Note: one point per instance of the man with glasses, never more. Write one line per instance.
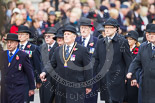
(147, 64)
(15, 66)
(34, 55)
(47, 51)
(112, 55)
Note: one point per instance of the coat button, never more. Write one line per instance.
(12, 75)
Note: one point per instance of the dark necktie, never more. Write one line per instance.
(83, 43)
(10, 54)
(67, 52)
(21, 47)
(50, 47)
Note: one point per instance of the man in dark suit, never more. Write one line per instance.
(112, 56)
(34, 54)
(71, 63)
(148, 66)
(15, 66)
(88, 40)
(47, 51)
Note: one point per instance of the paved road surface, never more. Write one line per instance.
(37, 98)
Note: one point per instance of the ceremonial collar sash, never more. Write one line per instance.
(10, 58)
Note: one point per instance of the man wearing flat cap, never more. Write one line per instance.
(34, 55)
(71, 62)
(47, 50)
(15, 66)
(147, 63)
(114, 55)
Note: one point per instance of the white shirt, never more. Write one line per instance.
(152, 45)
(132, 47)
(110, 38)
(86, 40)
(136, 14)
(23, 45)
(70, 47)
(13, 52)
(51, 45)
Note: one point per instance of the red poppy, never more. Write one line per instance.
(91, 44)
(46, 26)
(28, 46)
(95, 15)
(74, 49)
(143, 23)
(135, 51)
(52, 25)
(17, 57)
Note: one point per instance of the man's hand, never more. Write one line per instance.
(38, 85)
(129, 75)
(88, 90)
(134, 82)
(42, 77)
(31, 92)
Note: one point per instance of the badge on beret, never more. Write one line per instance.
(20, 67)
(91, 50)
(72, 57)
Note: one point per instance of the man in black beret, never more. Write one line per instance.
(114, 55)
(34, 55)
(71, 62)
(15, 66)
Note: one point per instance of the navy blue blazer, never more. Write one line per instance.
(91, 44)
(35, 59)
(13, 77)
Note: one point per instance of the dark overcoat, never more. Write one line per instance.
(113, 59)
(14, 77)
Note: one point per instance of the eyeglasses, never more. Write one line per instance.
(22, 34)
(84, 28)
(108, 27)
(48, 36)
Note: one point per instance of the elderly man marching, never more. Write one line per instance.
(71, 63)
(15, 66)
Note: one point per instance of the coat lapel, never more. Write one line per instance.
(26, 47)
(150, 50)
(90, 41)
